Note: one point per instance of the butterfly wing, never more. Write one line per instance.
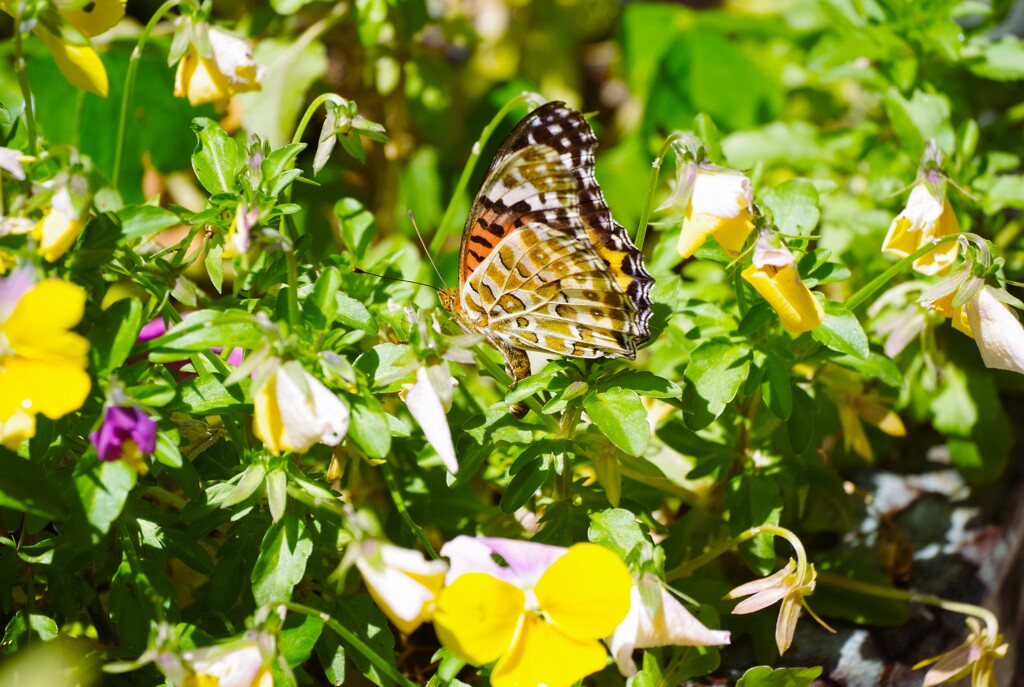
(567, 132)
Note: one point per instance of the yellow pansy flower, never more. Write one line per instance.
(774, 275)
(540, 618)
(42, 363)
(720, 205)
(56, 232)
(293, 410)
(993, 326)
(927, 216)
(229, 69)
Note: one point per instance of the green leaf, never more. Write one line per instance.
(215, 158)
(145, 220)
(208, 328)
(1001, 60)
(215, 265)
(114, 334)
(754, 500)
(524, 485)
(801, 420)
(794, 206)
(167, 451)
(353, 313)
(321, 306)
(369, 426)
(298, 636)
(763, 676)
(620, 415)
(282, 560)
(841, 331)
(716, 370)
(24, 487)
(645, 384)
(617, 529)
(777, 387)
(357, 225)
(205, 395)
(102, 488)
(924, 116)
(279, 162)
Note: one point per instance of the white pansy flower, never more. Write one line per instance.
(293, 410)
(402, 582)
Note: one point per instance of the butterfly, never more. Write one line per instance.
(543, 266)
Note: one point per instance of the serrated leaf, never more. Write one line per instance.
(369, 427)
(716, 370)
(794, 207)
(763, 676)
(321, 306)
(620, 415)
(282, 561)
(841, 331)
(616, 529)
(215, 158)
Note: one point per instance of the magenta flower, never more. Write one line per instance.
(126, 433)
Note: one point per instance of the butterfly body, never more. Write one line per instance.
(543, 266)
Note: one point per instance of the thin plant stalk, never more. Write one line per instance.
(702, 560)
(129, 86)
(652, 187)
(866, 291)
(445, 227)
(26, 92)
(399, 501)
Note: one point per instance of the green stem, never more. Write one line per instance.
(308, 114)
(26, 92)
(293, 289)
(833, 580)
(445, 226)
(129, 86)
(652, 187)
(866, 291)
(403, 512)
(352, 640)
(794, 541)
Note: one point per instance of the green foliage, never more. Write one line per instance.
(222, 241)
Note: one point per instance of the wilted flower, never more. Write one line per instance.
(293, 410)
(127, 434)
(855, 406)
(661, 622)
(788, 585)
(720, 205)
(975, 656)
(927, 216)
(214, 78)
(993, 326)
(42, 363)
(540, 617)
(896, 316)
(428, 400)
(774, 275)
(402, 582)
(60, 226)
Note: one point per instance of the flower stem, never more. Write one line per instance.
(445, 226)
(352, 640)
(838, 581)
(794, 541)
(652, 187)
(403, 512)
(293, 288)
(129, 86)
(866, 291)
(26, 92)
(300, 130)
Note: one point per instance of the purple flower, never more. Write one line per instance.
(126, 431)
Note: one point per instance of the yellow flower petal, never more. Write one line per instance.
(16, 429)
(199, 80)
(56, 232)
(886, 419)
(732, 233)
(92, 18)
(798, 310)
(585, 592)
(78, 63)
(543, 655)
(901, 240)
(477, 617)
(41, 387)
(266, 418)
(26, 329)
(940, 259)
(854, 437)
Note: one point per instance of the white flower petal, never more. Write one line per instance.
(768, 254)
(10, 160)
(428, 411)
(331, 413)
(997, 331)
(234, 668)
(720, 192)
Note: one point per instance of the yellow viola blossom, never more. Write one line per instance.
(229, 69)
(993, 326)
(540, 618)
(16, 429)
(294, 410)
(927, 216)
(56, 232)
(42, 363)
(774, 275)
(720, 205)
(402, 582)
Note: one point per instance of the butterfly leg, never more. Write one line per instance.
(517, 364)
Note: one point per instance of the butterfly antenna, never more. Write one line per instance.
(381, 276)
(426, 251)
